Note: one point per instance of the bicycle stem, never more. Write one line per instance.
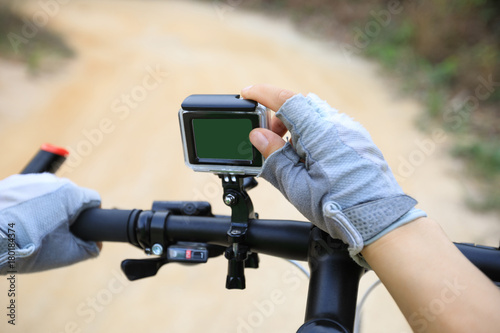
(331, 269)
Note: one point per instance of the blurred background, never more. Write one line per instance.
(105, 79)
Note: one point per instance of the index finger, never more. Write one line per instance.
(267, 95)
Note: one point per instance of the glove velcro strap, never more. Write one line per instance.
(373, 217)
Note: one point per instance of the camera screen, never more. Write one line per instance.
(223, 138)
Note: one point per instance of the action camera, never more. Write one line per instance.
(215, 133)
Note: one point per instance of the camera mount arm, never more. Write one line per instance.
(236, 197)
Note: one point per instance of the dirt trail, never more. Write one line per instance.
(115, 106)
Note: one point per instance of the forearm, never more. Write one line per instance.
(434, 285)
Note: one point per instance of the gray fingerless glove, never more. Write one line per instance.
(336, 176)
(36, 211)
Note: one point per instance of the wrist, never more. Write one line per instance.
(393, 245)
(410, 216)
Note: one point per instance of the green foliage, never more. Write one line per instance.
(435, 103)
(446, 60)
(484, 154)
(34, 50)
(483, 161)
(445, 72)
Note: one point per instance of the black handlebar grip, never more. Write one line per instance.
(48, 159)
(96, 224)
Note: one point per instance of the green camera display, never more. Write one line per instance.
(215, 130)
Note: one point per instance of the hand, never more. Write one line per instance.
(331, 171)
(36, 211)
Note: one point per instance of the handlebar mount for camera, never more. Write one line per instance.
(238, 255)
(147, 231)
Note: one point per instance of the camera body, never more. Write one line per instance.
(215, 131)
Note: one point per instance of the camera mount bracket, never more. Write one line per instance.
(236, 197)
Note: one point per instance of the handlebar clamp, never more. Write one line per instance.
(236, 197)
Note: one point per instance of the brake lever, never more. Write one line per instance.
(136, 269)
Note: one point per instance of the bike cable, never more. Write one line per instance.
(299, 266)
(359, 307)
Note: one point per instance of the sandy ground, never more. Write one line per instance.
(129, 150)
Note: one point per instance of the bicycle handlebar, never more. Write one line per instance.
(287, 239)
(97, 224)
(280, 238)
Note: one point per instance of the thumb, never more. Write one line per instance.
(266, 141)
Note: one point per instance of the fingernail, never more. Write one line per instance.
(244, 90)
(259, 140)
